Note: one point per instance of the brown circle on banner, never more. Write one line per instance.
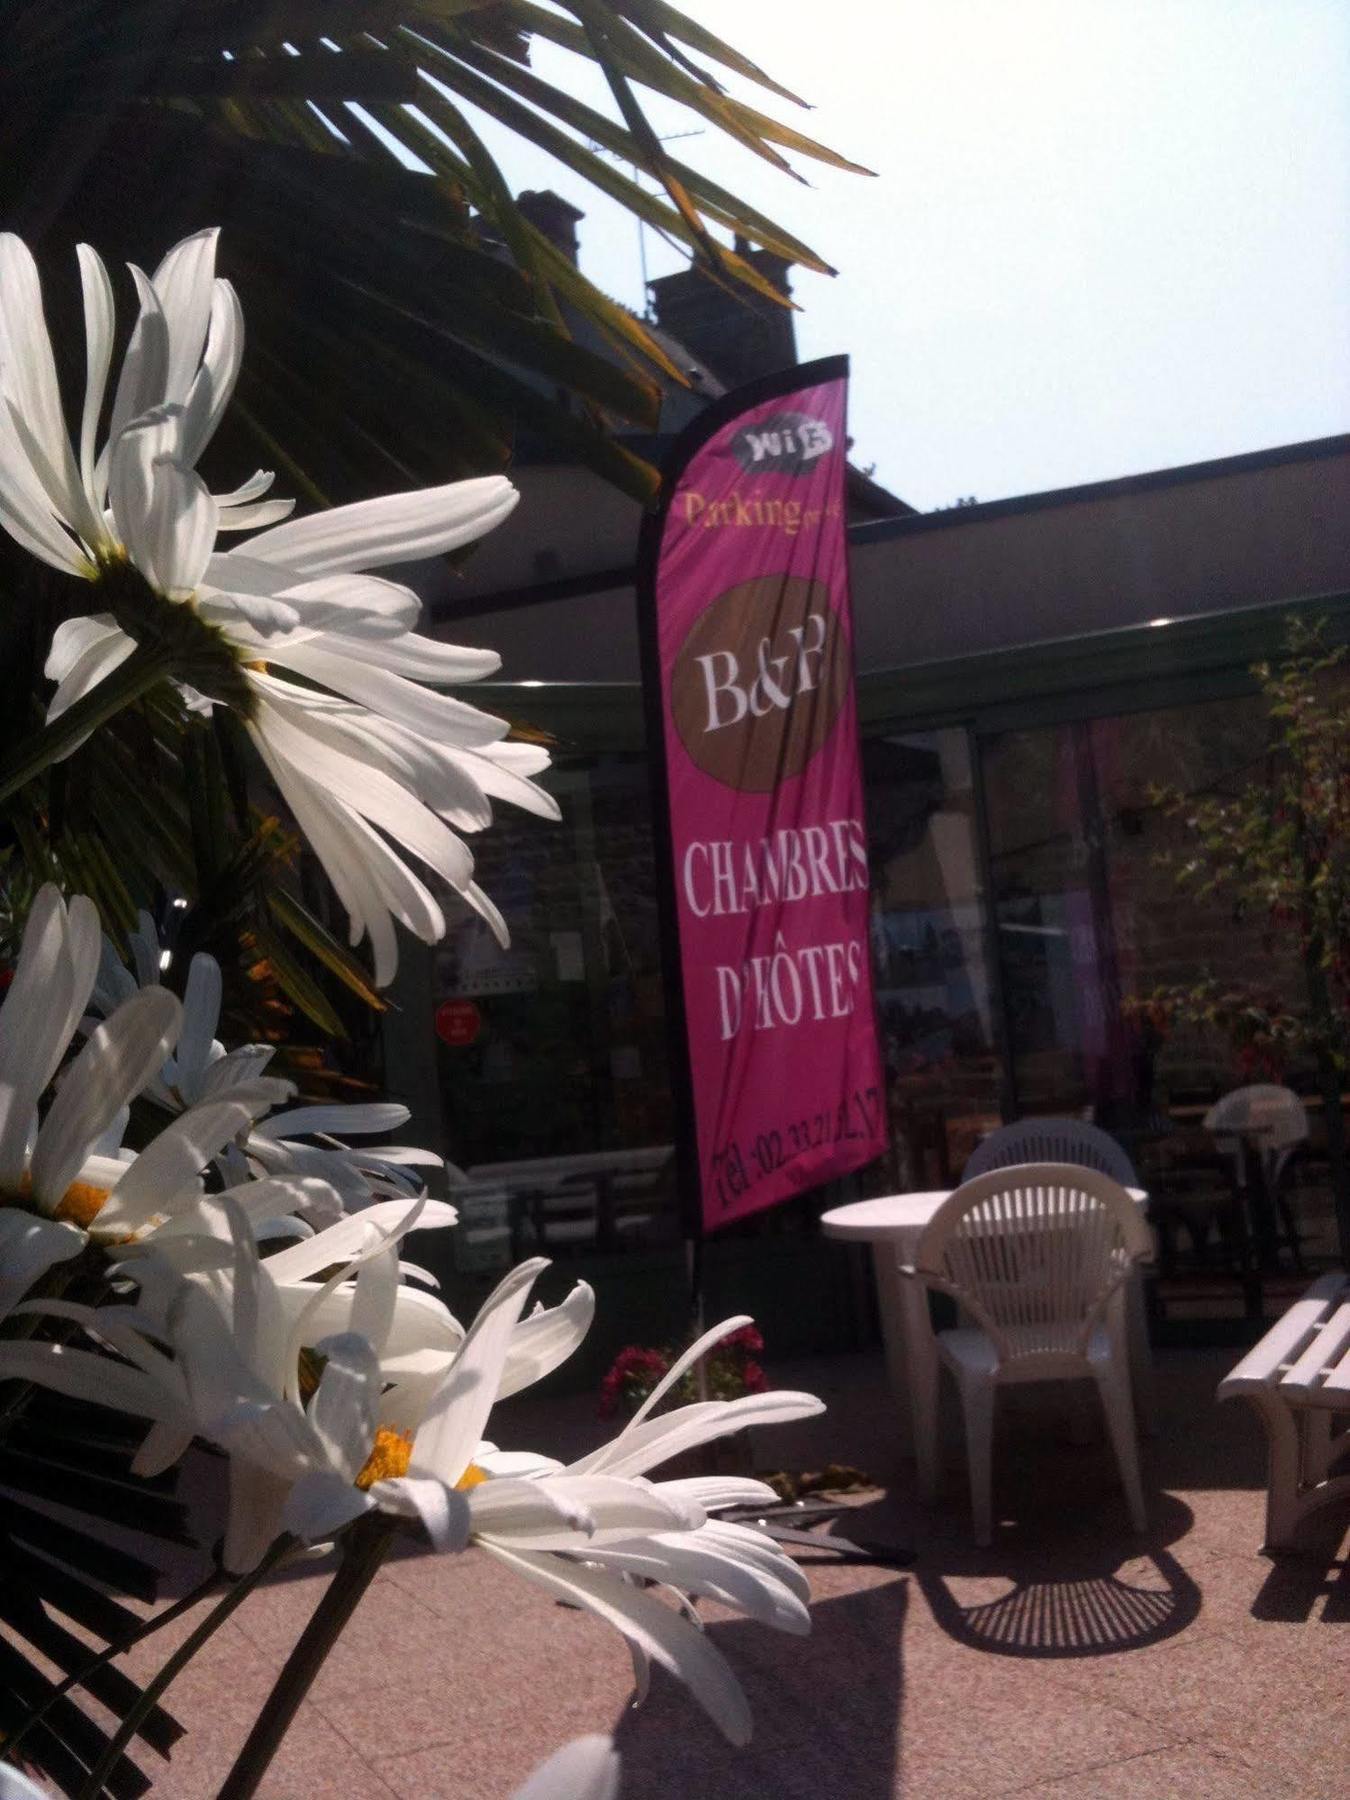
(759, 681)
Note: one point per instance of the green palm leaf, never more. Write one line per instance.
(434, 324)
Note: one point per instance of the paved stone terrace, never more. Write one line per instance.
(1073, 1659)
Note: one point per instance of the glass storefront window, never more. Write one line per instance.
(553, 1071)
(1088, 913)
(555, 1092)
(934, 999)
(1090, 921)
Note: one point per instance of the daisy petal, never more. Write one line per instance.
(678, 1370)
(82, 1375)
(164, 1444)
(184, 283)
(145, 368)
(201, 1015)
(419, 658)
(699, 1562)
(114, 1065)
(320, 1504)
(654, 1441)
(546, 1339)
(392, 529)
(102, 647)
(98, 341)
(453, 1426)
(662, 1634)
(351, 1236)
(254, 517)
(214, 382)
(352, 1121)
(28, 375)
(576, 1513)
(28, 1248)
(180, 528)
(58, 963)
(166, 1171)
(441, 717)
(443, 1513)
(585, 1769)
(343, 1410)
(257, 1506)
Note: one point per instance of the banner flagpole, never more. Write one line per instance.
(759, 842)
(757, 808)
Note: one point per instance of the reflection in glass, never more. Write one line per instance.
(934, 1000)
(567, 1079)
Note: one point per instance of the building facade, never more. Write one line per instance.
(1030, 672)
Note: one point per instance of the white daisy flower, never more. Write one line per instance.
(373, 764)
(235, 1375)
(308, 1141)
(591, 1531)
(376, 767)
(573, 1528)
(184, 350)
(348, 1277)
(309, 1463)
(65, 1182)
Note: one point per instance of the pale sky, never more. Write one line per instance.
(1106, 235)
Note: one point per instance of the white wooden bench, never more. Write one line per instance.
(1298, 1379)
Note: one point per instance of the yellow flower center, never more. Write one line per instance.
(390, 1456)
(80, 1204)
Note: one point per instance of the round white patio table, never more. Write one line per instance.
(893, 1224)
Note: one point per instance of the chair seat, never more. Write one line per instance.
(968, 1350)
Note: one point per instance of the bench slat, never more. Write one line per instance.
(1287, 1338)
(1329, 1343)
(1338, 1380)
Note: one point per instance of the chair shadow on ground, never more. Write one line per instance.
(826, 1709)
(1095, 1594)
(1049, 1588)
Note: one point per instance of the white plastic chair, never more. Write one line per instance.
(1280, 1118)
(1052, 1141)
(1037, 1256)
(1276, 1112)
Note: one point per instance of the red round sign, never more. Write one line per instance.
(458, 1022)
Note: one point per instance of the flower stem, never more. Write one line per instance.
(364, 1550)
(181, 1657)
(144, 669)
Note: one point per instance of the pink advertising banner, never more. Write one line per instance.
(749, 645)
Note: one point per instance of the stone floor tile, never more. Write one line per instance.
(230, 1666)
(565, 1673)
(314, 1763)
(390, 1633)
(980, 1739)
(1305, 1746)
(1185, 1773)
(1213, 1686)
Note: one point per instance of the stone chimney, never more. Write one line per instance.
(737, 334)
(555, 217)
